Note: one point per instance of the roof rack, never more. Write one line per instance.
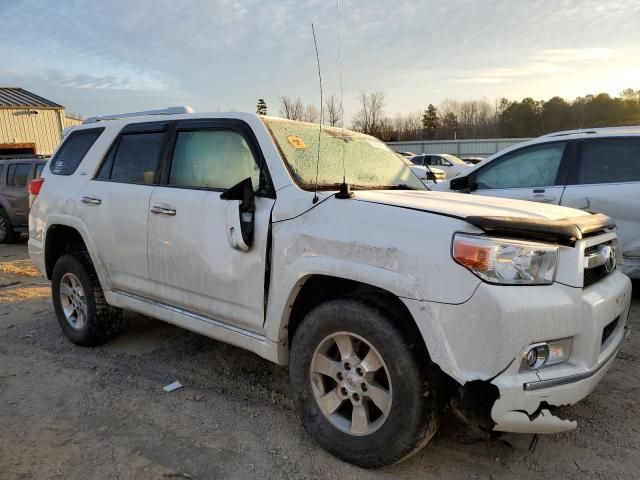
(629, 128)
(23, 156)
(163, 111)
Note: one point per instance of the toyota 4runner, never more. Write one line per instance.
(320, 250)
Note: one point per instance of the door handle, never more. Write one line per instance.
(160, 210)
(540, 197)
(91, 200)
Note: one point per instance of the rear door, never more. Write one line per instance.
(192, 264)
(18, 175)
(536, 173)
(606, 179)
(115, 204)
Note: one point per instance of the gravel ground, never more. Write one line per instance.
(72, 412)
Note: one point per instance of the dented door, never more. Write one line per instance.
(193, 265)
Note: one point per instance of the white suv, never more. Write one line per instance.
(387, 301)
(593, 169)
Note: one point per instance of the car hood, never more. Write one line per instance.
(462, 206)
(500, 216)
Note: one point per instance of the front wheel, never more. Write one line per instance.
(364, 391)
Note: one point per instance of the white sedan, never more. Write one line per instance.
(451, 164)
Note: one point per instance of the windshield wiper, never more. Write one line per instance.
(399, 186)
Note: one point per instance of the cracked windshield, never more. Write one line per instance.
(368, 163)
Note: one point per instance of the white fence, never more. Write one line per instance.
(482, 147)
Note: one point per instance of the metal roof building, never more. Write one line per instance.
(29, 123)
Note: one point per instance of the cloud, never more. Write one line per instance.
(569, 55)
(84, 81)
(542, 62)
(221, 54)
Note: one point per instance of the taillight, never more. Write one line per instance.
(35, 185)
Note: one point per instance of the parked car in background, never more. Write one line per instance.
(597, 170)
(472, 160)
(425, 173)
(386, 300)
(406, 154)
(15, 174)
(451, 164)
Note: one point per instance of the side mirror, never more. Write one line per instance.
(460, 183)
(240, 214)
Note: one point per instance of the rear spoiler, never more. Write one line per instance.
(565, 231)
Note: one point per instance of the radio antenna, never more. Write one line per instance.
(344, 174)
(315, 42)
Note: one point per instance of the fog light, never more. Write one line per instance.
(536, 356)
(546, 353)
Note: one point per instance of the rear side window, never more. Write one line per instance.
(38, 171)
(134, 159)
(216, 159)
(535, 166)
(611, 160)
(18, 174)
(73, 150)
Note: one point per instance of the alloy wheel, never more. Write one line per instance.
(74, 301)
(351, 383)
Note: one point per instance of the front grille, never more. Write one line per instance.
(593, 275)
(608, 330)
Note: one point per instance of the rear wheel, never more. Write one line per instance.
(365, 393)
(7, 235)
(82, 311)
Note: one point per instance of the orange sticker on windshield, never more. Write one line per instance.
(296, 142)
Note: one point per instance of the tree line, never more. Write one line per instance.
(471, 119)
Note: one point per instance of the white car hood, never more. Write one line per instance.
(462, 206)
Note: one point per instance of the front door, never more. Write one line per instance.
(532, 173)
(193, 265)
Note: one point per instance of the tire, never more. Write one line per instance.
(7, 235)
(92, 324)
(412, 387)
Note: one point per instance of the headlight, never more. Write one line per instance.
(508, 262)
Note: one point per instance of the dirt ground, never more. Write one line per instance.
(72, 412)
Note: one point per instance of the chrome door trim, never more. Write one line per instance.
(195, 316)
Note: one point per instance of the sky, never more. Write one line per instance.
(217, 55)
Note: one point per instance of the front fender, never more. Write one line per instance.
(283, 294)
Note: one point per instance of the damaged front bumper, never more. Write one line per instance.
(481, 344)
(527, 407)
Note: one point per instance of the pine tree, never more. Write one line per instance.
(261, 108)
(430, 121)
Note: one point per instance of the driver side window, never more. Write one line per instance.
(535, 166)
(212, 159)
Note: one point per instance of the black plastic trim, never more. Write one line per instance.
(564, 231)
